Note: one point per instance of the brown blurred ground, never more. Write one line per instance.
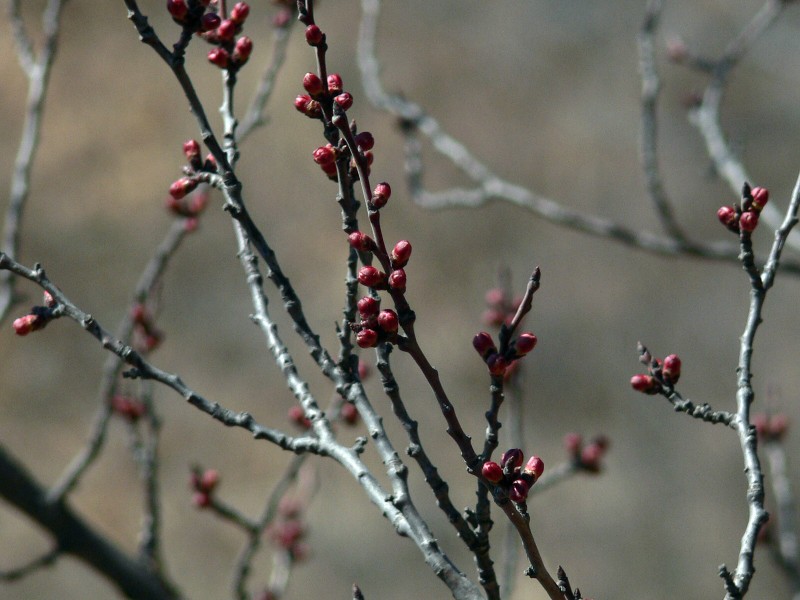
(547, 95)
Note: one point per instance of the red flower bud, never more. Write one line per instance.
(748, 221)
(298, 417)
(312, 84)
(534, 466)
(181, 187)
(591, 456)
(512, 458)
(645, 384)
(210, 22)
(334, 83)
(397, 280)
(313, 35)
(519, 491)
(367, 338)
(209, 480)
(239, 12)
(401, 253)
(201, 500)
(525, 343)
(368, 306)
(381, 194)
(497, 364)
(671, 368)
(365, 141)
(219, 57)
(483, 343)
(324, 155)
(178, 9)
(348, 413)
(360, 241)
(191, 149)
(345, 100)
(727, 216)
(226, 30)
(760, 198)
(242, 50)
(492, 472)
(388, 321)
(370, 276)
(210, 164)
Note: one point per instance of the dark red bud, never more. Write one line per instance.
(370, 276)
(210, 22)
(727, 216)
(368, 306)
(313, 35)
(397, 280)
(181, 187)
(367, 338)
(312, 84)
(381, 194)
(645, 384)
(388, 321)
(483, 343)
(178, 9)
(497, 364)
(345, 100)
(492, 472)
(226, 30)
(525, 343)
(519, 491)
(360, 241)
(242, 50)
(219, 57)
(748, 221)
(512, 458)
(401, 253)
(365, 141)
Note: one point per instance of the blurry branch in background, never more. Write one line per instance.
(415, 121)
(37, 69)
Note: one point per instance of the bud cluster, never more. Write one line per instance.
(586, 456)
(146, 336)
(510, 475)
(38, 318)
(203, 484)
(128, 407)
(499, 362)
(288, 529)
(375, 325)
(771, 428)
(180, 202)
(745, 218)
(661, 376)
(229, 52)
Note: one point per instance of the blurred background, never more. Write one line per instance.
(547, 95)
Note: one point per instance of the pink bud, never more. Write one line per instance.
(671, 368)
(239, 12)
(492, 472)
(48, 299)
(201, 500)
(534, 466)
(334, 83)
(313, 35)
(388, 321)
(178, 9)
(226, 30)
(191, 149)
(298, 417)
(348, 413)
(573, 443)
(645, 384)
(209, 480)
(760, 198)
(242, 50)
(381, 194)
